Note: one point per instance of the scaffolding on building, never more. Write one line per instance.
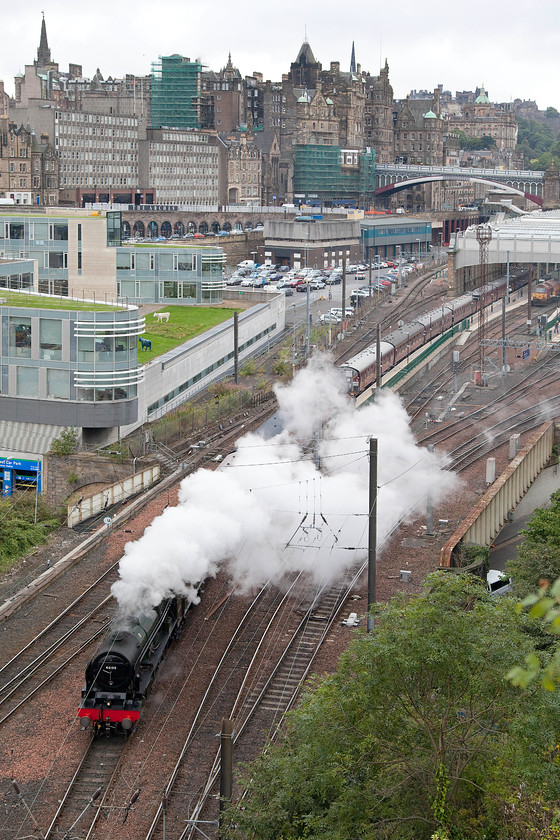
(319, 172)
(176, 92)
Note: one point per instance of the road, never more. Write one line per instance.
(505, 544)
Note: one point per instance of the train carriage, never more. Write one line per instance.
(361, 370)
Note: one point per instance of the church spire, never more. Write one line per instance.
(43, 53)
(353, 60)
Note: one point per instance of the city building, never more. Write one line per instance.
(28, 169)
(222, 99)
(334, 177)
(71, 364)
(313, 244)
(82, 254)
(389, 236)
(183, 166)
(176, 92)
(244, 169)
(76, 363)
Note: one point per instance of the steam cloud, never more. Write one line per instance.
(284, 503)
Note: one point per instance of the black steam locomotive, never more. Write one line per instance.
(119, 676)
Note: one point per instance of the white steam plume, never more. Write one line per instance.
(283, 504)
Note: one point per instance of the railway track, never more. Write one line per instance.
(270, 686)
(64, 638)
(86, 796)
(417, 404)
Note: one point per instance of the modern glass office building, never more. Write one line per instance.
(69, 367)
(81, 254)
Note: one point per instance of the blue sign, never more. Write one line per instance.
(10, 476)
(526, 353)
(6, 482)
(16, 463)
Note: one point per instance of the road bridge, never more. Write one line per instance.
(392, 177)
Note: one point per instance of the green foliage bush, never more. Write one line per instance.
(248, 368)
(538, 557)
(18, 531)
(281, 368)
(66, 443)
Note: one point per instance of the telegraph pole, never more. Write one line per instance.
(378, 371)
(483, 237)
(235, 348)
(226, 765)
(343, 291)
(372, 531)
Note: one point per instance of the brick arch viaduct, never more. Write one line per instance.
(192, 221)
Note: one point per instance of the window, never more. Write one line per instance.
(27, 381)
(50, 339)
(17, 230)
(58, 259)
(20, 337)
(58, 384)
(59, 231)
(123, 261)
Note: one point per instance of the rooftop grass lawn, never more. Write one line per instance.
(185, 322)
(51, 302)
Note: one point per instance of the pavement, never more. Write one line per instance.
(538, 496)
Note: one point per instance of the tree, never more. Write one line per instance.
(551, 112)
(66, 443)
(416, 732)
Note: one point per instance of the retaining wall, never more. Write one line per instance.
(487, 517)
(123, 489)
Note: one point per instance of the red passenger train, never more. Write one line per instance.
(361, 369)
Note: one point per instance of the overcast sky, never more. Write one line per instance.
(510, 46)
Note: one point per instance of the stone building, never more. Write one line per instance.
(222, 98)
(378, 115)
(28, 169)
(269, 146)
(244, 170)
(483, 119)
(419, 132)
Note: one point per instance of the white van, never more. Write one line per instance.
(247, 264)
(498, 583)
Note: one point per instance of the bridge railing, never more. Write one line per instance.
(517, 174)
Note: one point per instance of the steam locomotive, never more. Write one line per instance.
(119, 676)
(361, 369)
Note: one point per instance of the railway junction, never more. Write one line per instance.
(163, 779)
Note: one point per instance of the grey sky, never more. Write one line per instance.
(510, 46)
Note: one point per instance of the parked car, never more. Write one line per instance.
(338, 311)
(330, 318)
